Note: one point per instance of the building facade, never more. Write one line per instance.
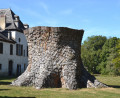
(13, 44)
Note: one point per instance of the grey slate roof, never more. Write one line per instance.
(10, 25)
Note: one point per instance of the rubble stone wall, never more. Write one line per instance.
(54, 59)
(54, 52)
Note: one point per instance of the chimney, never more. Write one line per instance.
(16, 21)
(26, 26)
(2, 22)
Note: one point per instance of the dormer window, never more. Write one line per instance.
(16, 21)
(26, 26)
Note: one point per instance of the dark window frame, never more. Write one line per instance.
(0, 66)
(19, 40)
(19, 49)
(27, 51)
(11, 49)
(19, 69)
(21, 46)
(1, 48)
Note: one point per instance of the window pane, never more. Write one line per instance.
(16, 49)
(27, 50)
(11, 49)
(0, 66)
(1, 47)
(21, 50)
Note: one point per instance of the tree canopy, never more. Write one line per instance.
(101, 55)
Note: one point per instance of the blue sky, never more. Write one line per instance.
(96, 17)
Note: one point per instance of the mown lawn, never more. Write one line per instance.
(10, 91)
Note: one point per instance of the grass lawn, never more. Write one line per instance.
(10, 91)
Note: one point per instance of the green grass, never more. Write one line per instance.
(11, 91)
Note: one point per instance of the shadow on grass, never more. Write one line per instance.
(114, 86)
(3, 90)
(15, 97)
(5, 83)
(7, 78)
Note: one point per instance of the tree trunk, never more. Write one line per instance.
(55, 60)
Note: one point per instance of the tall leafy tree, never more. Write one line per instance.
(116, 60)
(101, 55)
(107, 55)
(91, 50)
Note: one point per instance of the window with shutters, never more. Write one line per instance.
(11, 49)
(19, 49)
(1, 48)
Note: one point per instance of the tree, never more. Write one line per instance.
(107, 55)
(116, 60)
(101, 55)
(91, 50)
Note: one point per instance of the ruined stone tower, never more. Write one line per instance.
(55, 60)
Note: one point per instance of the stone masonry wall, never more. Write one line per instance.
(54, 59)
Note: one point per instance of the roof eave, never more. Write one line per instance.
(8, 41)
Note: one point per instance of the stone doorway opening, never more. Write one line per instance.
(53, 80)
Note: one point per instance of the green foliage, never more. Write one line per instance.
(90, 52)
(107, 55)
(116, 60)
(101, 55)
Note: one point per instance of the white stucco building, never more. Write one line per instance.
(13, 44)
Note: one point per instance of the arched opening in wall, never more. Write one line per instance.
(53, 80)
(18, 69)
(10, 68)
(56, 79)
